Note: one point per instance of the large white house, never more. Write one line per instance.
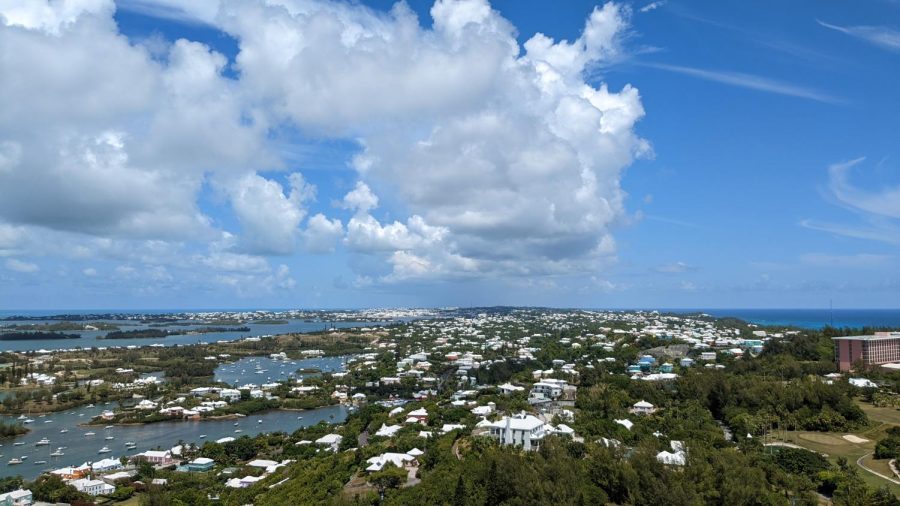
(552, 390)
(523, 430)
(92, 487)
(19, 497)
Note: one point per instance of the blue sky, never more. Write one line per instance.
(673, 154)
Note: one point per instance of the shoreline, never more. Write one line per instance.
(229, 416)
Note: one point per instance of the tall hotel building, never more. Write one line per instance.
(881, 348)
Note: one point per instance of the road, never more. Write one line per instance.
(859, 463)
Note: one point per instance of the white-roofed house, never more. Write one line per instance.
(643, 407)
(522, 430)
(400, 460)
(20, 497)
(332, 441)
(92, 487)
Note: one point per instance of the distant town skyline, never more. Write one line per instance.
(338, 154)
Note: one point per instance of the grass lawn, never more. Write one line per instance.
(134, 500)
(834, 445)
(883, 415)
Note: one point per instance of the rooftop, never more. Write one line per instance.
(874, 337)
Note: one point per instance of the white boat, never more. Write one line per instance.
(20, 443)
(13, 462)
(29, 420)
(47, 421)
(24, 457)
(108, 427)
(202, 436)
(105, 449)
(36, 462)
(21, 417)
(259, 421)
(63, 431)
(109, 438)
(42, 442)
(238, 430)
(80, 414)
(235, 424)
(89, 433)
(57, 453)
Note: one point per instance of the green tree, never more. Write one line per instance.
(388, 478)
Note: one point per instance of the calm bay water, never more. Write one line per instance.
(259, 370)
(91, 339)
(81, 448)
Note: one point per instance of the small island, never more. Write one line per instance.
(155, 333)
(137, 334)
(34, 336)
(10, 430)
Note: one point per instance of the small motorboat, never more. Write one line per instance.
(36, 462)
(63, 431)
(105, 449)
(238, 430)
(109, 438)
(108, 427)
(89, 433)
(28, 420)
(42, 442)
(202, 436)
(57, 453)
(13, 462)
(18, 444)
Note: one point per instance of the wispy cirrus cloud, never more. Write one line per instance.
(653, 6)
(884, 202)
(879, 209)
(750, 81)
(881, 36)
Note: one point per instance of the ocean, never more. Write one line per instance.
(812, 318)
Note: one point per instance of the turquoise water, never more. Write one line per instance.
(812, 318)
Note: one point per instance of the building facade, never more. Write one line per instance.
(522, 430)
(880, 348)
